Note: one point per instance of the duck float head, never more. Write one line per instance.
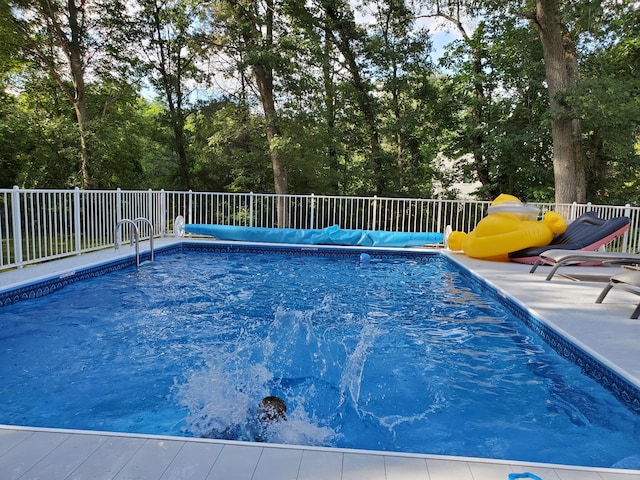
(509, 226)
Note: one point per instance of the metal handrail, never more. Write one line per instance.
(136, 232)
(151, 235)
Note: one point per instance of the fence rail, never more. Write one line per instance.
(42, 225)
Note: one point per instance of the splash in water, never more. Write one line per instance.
(223, 398)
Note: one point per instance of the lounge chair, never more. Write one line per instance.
(629, 281)
(587, 232)
(558, 258)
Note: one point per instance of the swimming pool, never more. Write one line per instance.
(316, 347)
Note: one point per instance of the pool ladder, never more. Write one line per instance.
(136, 235)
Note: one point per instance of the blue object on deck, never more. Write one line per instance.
(513, 476)
(333, 235)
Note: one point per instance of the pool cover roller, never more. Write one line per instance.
(333, 235)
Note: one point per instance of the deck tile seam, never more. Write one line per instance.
(175, 455)
(70, 436)
(17, 445)
(43, 457)
(214, 462)
(131, 457)
(103, 440)
(164, 472)
(473, 477)
(299, 464)
(255, 467)
(427, 466)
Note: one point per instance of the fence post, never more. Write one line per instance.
(17, 226)
(313, 211)
(251, 209)
(625, 236)
(375, 212)
(439, 220)
(163, 213)
(118, 205)
(190, 211)
(76, 220)
(150, 208)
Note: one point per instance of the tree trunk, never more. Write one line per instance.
(263, 73)
(180, 145)
(561, 76)
(81, 122)
(171, 72)
(342, 32)
(477, 137)
(264, 80)
(330, 113)
(480, 163)
(366, 104)
(76, 64)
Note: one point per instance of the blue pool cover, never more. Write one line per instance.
(333, 235)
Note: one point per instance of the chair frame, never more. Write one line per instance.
(629, 281)
(559, 258)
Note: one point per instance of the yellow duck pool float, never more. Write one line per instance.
(508, 227)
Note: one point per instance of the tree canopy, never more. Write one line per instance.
(537, 98)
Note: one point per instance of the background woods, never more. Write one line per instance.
(538, 98)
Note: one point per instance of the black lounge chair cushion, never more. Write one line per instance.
(586, 232)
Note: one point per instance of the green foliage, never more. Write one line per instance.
(230, 149)
(119, 134)
(39, 137)
(13, 141)
(610, 111)
(360, 107)
(502, 109)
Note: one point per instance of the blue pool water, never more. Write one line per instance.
(399, 354)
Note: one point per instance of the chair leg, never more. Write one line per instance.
(604, 292)
(537, 263)
(553, 271)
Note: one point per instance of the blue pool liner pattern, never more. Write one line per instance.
(627, 392)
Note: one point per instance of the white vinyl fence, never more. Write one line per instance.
(41, 225)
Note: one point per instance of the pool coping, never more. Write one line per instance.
(28, 452)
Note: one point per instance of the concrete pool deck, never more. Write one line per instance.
(605, 331)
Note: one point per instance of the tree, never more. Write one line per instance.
(607, 101)
(562, 75)
(399, 56)
(230, 149)
(367, 99)
(569, 33)
(253, 38)
(69, 40)
(510, 139)
(40, 136)
(453, 13)
(341, 28)
(173, 41)
(121, 136)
